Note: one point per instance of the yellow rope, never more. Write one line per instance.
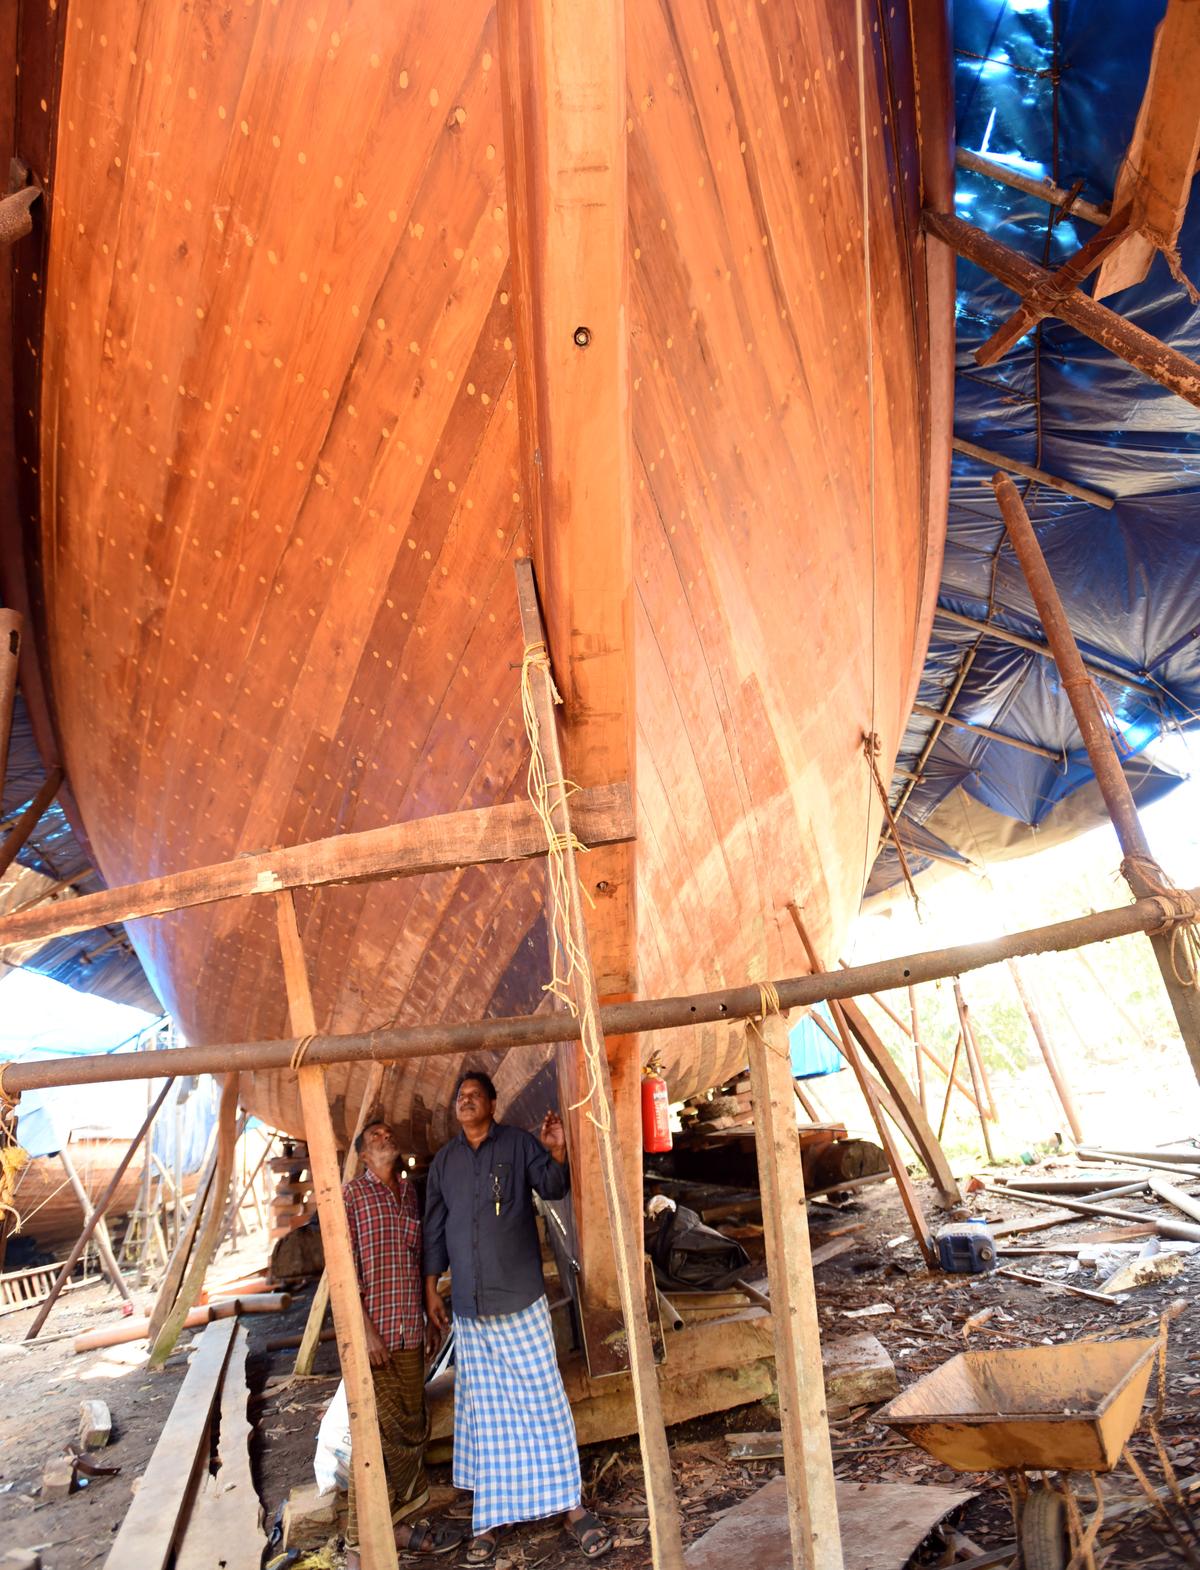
(1179, 915)
(568, 963)
(13, 1159)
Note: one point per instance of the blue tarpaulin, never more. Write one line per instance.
(1052, 88)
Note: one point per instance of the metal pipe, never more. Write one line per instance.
(499, 1035)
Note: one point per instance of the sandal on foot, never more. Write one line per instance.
(591, 1534)
(426, 1538)
(482, 1549)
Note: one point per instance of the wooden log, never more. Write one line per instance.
(97, 1214)
(500, 1035)
(811, 1496)
(1172, 1195)
(1100, 248)
(210, 1227)
(320, 1302)
(18, 835)
(1136, 347)
(972, 1049)
(103, 1245)
(940, 715)
(1044, 190)
(1061, 1088)
(999, 460)
(140, 1329)
(1155, 176)
(1138, 866)
(484, 835)
(377, 1545)
(148, 1532)
(626, 1233)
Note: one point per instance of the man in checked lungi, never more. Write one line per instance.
(514, 1438)
(385, 1234)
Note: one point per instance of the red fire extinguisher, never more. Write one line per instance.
(656, 1110)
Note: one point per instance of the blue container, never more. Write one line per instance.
(966, 1248)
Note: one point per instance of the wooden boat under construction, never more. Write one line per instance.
(331, 312)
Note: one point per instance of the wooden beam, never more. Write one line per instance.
(1049, 1057)
(103, 1245)
(10, 651)
(509, 832)
(98, 1211)
(1044, 190)
(1142, 350)
(1116, 233)
(310, 1340)
(1155, 176)
(398, 1045)
(27, 822)
(210, 1228)
(999, 460)
(152, 1521)
(926, 712)
(1002, 635)
(970, 1047)
(601, 1127)
(1138, 866)
(377, 1545)
(808, 1459)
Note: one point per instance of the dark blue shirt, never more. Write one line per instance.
(479, 1219)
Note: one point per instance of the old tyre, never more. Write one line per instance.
(1044, 1540)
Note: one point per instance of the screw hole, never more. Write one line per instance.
(583, 336)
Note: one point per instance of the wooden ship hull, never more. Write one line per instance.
(272, 448)
(49, 1208)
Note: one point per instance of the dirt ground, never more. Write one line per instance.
(929, 1317)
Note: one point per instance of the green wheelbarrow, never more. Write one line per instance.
(1054, 1409)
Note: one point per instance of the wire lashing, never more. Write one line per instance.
(568, 963)
(300, 1052)
(1179, 911)
(871, 749)
(1112, 724)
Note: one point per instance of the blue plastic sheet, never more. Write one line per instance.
(1052, 87)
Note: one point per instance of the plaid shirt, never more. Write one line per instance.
(386, 1237)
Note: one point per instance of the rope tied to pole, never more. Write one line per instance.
(1180, 913)
(1086, 683)
(567, 959)
(300, 1052)
(768, 1003)
(13, 1157)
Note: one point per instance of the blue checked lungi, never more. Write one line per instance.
(514, 1437)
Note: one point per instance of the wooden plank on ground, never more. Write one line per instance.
(224, 1528)
(151, 1524)
(508, 832)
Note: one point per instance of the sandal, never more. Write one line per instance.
(482, 1549)
(426, 1538)
(591, 1534)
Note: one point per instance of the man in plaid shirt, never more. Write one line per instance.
(385, 1234)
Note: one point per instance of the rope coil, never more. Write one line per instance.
(568, 962)
(1179, 912)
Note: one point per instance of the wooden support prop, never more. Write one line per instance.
(811, 1492)
(1115, 233)
(151, 1524)
(922, 1051)
(1045, 190)
(103, 1244)
(98, 1211)
(1002, 635)
(1049, 1056)
(210, 1226)
(185, 1234)
(11, 624)
(999, 460)
(926, 712)
(648, 1014)
(1140, 870)
(19, 834)
(915, 1033)
(971, 1046)
(951, 1082)
(624, 1221)
(509, 832)
(850, 1052)
(1140, 349)
(310, 1340)
(377, 1545)
(1155, 176)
